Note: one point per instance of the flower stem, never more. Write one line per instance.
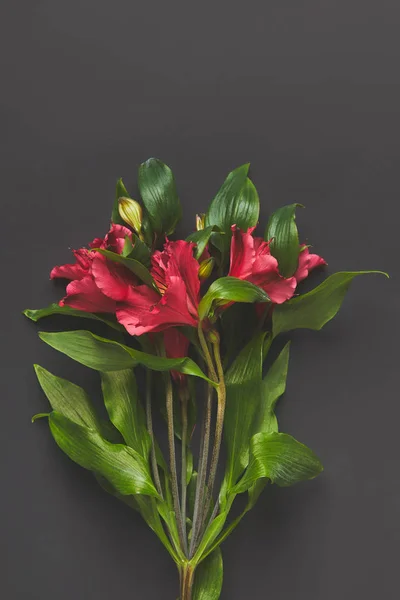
(184, 406)
(172, 459)
(149, 420)
(202, 470)
(187, 579)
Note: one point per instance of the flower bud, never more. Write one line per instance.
(205, 268)
(200, 221)
(131, 212)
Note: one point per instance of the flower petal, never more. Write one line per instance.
(242, 253)
(113, 279)
(307, 262)
(74, 271)
(85, 295)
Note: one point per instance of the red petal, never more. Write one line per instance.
(113, 279)
(182, 265)
(85, 295)
(115, 238)
(307, 262)
(242, 253)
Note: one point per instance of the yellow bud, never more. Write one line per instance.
(200, 221)
(206, 267)
(131, 212)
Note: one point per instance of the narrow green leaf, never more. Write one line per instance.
(130, 263)
(243, 397)
(124, 468)
(208, 577)
(285, 245)
(273, 386)
(124, 409)
(210, 534)
(56, 309)
(314, 309)
(68, 399)
(279, 458)
(120, 192)
(230, 289)
(201, 239)
(160, 198)
(236, 203)
(106, 355)
(137, 250)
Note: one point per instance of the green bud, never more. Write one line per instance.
(200, 221)
(131, 212)
(206, 267)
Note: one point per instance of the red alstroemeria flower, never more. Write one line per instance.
(96, 281)
(176, 346)
(251, 259)
(175, 272)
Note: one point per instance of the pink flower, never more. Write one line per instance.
(176, 346)
(251, 259)
(97, 283)
(175, 271)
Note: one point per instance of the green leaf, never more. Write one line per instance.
(137, 250)
(201, 239)
(56, 309)
(124, 409)
(314, 309)
(120, 192)
(124, 468)
(160, 198)
(273, 386)
(130, 263)
(230, 289)
(68, 399)
(106, 355)
(243, 397)
(208, 577)
(285, 245)
(279, 458)
(210, 534)
(236, 203)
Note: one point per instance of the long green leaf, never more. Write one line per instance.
(120, 192)
(68, 399)
(243, 397)
(236, 203)
(279, 458)
(230, 289)
(273, 386)
(285, 245)
(209, 577)
(314, 309)
(56, 309)
(124, 468)
(158, 190)
(124, 409)
(106, 355)
(130, 263)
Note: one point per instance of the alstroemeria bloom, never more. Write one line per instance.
(175, 272)
(176, 346)
(93, 275)
(251, 259)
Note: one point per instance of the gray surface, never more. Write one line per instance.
(310, 93)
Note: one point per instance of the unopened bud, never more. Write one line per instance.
(131, 212)
(205, 268)
(200, 221)
(213, 336)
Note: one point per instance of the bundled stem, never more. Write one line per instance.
(184, 404)
(149, 420)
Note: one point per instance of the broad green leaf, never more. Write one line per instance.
(124, 468)
(236, 203)
(160, 198)
(56, 309)
(243, 397)
(285, 245)
(314, 309)
(211, 533)
(130, 263)
(120, 192)
(230, 289)
(68, 399)
(279, 458)
(106, 355)
(201, 239)
(124, 409)
(208, 577)
(273, 386)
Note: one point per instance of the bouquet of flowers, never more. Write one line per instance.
(199, 317)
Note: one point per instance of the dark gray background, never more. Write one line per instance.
(309, 92)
